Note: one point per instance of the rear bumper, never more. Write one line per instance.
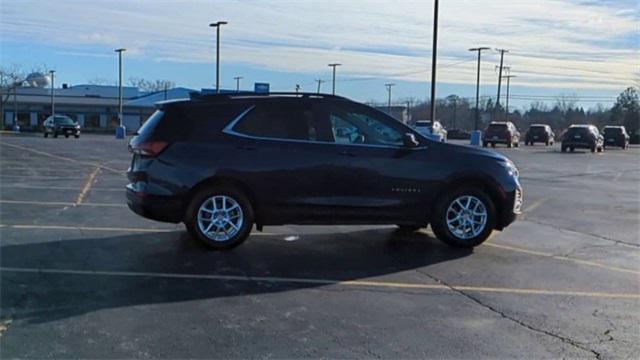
(154, 207)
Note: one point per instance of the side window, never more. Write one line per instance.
(293, 121)
(358, 125)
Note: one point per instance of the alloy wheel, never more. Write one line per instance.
(466, 217)
(220, 218)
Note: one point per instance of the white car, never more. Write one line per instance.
(424, 128)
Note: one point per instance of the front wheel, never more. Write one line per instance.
(55, 134)
(220, 218)
(46, 134)
(464, 218)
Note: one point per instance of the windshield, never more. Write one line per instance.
(500, 127)
(63, 120)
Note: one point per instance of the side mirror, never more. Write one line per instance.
(410, 140)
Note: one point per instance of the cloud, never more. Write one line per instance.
(553, 43)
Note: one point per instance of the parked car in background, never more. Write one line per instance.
(424, 128)
(615, 136)
(61, 125)
(458, 134)
(221, 163)
(582, 137)
(539, 133)
(501, 133)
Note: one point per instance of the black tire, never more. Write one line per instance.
(191, 217)
(509, 144)
(547, 143)
(600, 149)
(517, 144)
(66, 135)
(55, 134)
(572, 149)
(408, 228)
(76, 136)
(46, 134)
(563, 148)
(493, 145)
(439, 219)
(593, 148)
(484, 144)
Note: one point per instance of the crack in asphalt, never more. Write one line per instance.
(521, 323)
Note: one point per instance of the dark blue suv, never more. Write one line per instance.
(222, 163)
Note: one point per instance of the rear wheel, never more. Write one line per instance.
(46, 134)
(563, 148)
(66, 135)
(517, 144)
(572, 149)
(55, 134)
(484, 144)
(593, 148)
(220, 217)
(464, 217)
(76, 136)
(493, 145)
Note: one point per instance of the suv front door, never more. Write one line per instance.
(374, 174)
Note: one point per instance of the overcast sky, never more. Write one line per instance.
(588, 48)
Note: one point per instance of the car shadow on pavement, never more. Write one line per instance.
(38, 297)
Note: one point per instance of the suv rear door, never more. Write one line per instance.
(283, 153)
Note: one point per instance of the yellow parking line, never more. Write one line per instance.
(87, 185)
(310, 281)
(560, 257)
(535, 205)
(58, 203)
(26, 187)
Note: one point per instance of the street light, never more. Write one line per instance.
(389, 86)
(120, 130)
(217, 25)
(334, 65)
(237, 79)
(53, 106)
(477, 119)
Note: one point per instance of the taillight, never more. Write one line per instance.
(149, 148)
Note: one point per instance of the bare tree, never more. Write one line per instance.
(151, 85)
(564, 102)
(10, 78)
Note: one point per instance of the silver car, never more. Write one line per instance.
(424, 128)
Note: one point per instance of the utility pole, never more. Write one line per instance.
(508, 77)
(334, 65)
(477, 118)
(120, 135)
(389, 86)
(409, 115)
(434, 56)
(217, 25)
(319, 81)
(53, 104)
(237, 79)
(502, 51)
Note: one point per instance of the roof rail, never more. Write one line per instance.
(250, 94)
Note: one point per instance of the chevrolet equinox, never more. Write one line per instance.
(222, 163)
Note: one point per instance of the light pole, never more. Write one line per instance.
(389, 86)
(334, 65)
(477, 119)
(120, 129)
(53, 104)
(434, 56)
(217, 25)
(508, 77)
(237, 79)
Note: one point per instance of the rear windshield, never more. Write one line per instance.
(423, 123)
(579, 130)
(63, 121)
(613, 131)
(498, 127)
(537, 128)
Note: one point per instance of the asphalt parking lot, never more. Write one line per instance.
(83, 277)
